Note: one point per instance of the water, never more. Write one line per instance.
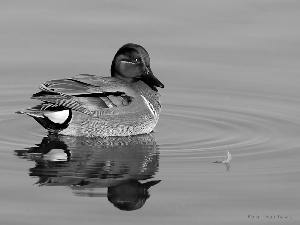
(231, 74)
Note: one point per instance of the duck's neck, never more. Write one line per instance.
(123, 78)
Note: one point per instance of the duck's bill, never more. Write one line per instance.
(150, 79)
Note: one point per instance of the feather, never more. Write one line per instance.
(84, 93)
(226, 160)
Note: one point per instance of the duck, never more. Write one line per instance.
(126, 103)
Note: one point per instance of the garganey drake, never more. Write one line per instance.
(127, 103)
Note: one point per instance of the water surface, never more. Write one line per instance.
(231, 74)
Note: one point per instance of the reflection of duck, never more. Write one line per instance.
(127, 103)
(87, 165)
(131, 195)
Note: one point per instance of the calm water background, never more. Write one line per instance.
(231, 71)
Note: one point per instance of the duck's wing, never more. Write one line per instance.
(89, 94)
(80, 84)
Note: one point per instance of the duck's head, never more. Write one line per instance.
(132, 63)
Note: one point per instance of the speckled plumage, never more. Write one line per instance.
(127, 103)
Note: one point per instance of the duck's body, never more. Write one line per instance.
(127, 103)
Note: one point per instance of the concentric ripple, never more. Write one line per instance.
(203, 124)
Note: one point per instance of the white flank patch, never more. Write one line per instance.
(58, 117)
(150, 107)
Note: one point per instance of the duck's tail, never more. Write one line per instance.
(52, 118)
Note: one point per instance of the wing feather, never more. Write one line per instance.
(85, 93)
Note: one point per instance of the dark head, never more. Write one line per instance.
(132, 63)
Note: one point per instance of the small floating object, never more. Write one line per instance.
(226, 160)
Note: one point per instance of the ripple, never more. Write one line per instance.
(211, 122)
(19, 131)
(196, 125)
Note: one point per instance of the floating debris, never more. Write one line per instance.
(226, 160)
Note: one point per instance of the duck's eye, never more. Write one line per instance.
(135, 59)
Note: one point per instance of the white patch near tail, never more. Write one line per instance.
(58, 116)
(150, 107)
